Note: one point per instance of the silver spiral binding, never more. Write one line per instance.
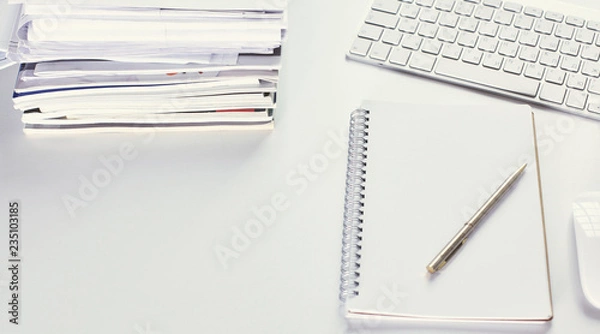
(353, 208)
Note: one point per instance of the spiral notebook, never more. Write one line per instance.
(416, 174)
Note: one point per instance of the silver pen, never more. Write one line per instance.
(461, 237)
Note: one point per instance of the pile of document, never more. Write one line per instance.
(112, 64)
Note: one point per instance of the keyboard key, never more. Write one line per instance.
(467, 39)
(570, 64)
(408, 26)
(392, 37)
(472, 56)
(513, 66)
(429, 15)
(591, 69)
(464, 9)
(593, 25)
(553, 93)
(549, 43)
(360, 47)
(447, 35)
(412, 42)
(488, 29)
(492, 3)
(428, 30)
(445, 5)
(504, 18)
(529, 54)
(585, 36)
(508, 34)
(575, 21)
(534, 12)
(524, 22)
(388, 6)
(564, 31)
(422, 62)
(554, 16)
(513, 7)
(400, 56)
(380, 52)
(382, 19)
(493, 61)
(594, 87)
(590, 53)
(555, 76)
(593, 103)
(451, 51)
(468, 24)
(425, 3)
(488, 44)
(508, 49)
(570, 48)
(544, 27)
(577, 100)
(484, 13)
(371, 32)
(432, 47)
(576, 81)
(487, 77)
(529, 38)
(449, 20)
(535, 71)
(594, 107)
(549, 59)
(410, 11)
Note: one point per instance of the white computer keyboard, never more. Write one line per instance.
(541, 56)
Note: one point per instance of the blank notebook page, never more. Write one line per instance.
(428, 169)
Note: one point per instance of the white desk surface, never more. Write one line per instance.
(140, 257)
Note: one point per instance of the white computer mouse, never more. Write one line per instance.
(586, 221)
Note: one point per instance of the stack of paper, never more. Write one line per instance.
(121, 63)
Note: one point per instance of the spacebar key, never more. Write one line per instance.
(489, 78)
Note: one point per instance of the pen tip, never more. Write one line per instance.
(523, 167)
